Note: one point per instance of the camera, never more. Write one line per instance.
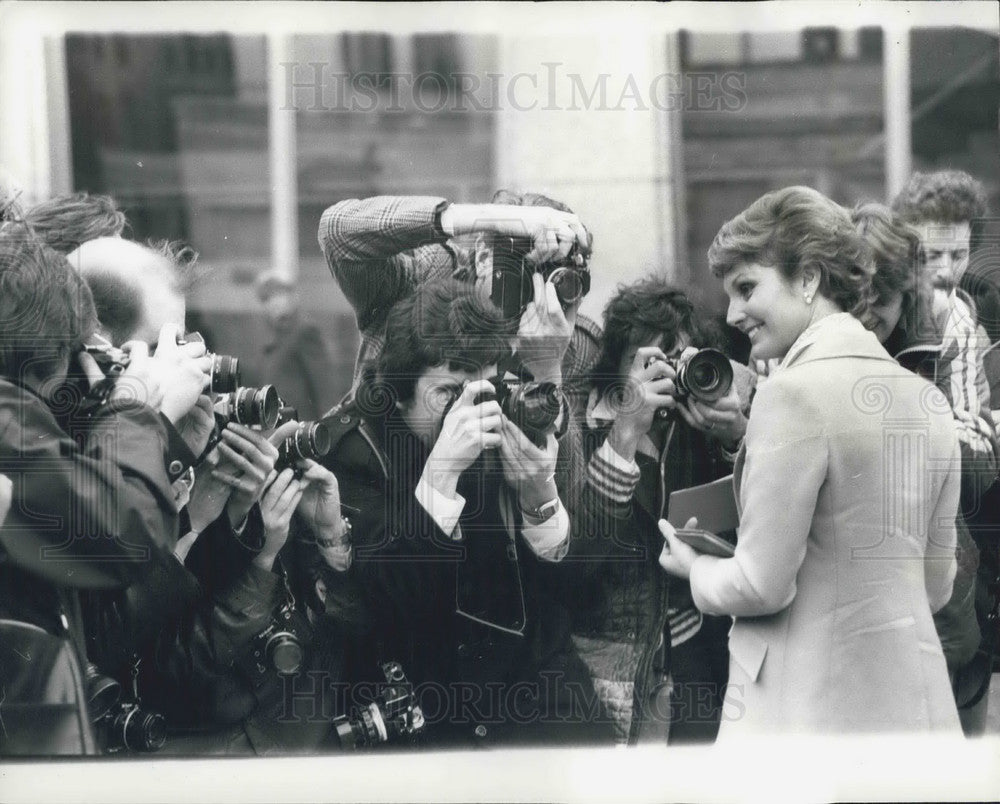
(512, 287)
(393, 714)
(311, 440)
(705, 375)
(279, 648)
(533, 406)
(121, 725)
(225, 373)
(253, 407)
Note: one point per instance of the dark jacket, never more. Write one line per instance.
(620, 603)
(400, 599)
(925, 354)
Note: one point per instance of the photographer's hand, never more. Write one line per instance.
(246, 463)
(527, 468)
(648, 388)
(320, 509)
(141, 381)
(209, 495)
(553, 233)
(276, 509)
(197, 426)
(466, 431)
(543, 333)
(722, 419)
(181, 372)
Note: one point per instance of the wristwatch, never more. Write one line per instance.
(542, 513)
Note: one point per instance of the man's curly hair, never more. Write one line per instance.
(66, 221)
(641, 312)
(946, 196)
(443, 323)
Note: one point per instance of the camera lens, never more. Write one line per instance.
(257, 407)
(285, 652)
(534, 407)
(707, 375)
(140, 730)
(568, 284)
(312, 440)
(225, 374)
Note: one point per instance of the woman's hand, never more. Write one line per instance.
(676, 557)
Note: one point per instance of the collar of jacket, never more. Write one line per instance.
(834, 336)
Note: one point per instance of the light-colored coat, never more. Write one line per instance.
(848, 487)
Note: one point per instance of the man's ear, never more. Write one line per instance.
(321, 590)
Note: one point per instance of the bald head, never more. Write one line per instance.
(135, 288)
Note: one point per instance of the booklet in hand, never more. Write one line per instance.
(714, 505)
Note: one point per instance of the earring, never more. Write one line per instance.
(808, 298)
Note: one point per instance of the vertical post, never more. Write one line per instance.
(896, 105)
(672, 228)
(283, 159)
(60, 151)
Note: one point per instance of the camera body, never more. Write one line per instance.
(129, 727)
(279, 648)
(392, 715)
(533, 406)
(225, 374)
(512, 287)
(705, 375)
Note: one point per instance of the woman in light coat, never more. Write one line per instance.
(848, 486)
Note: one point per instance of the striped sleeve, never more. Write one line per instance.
(612, 475)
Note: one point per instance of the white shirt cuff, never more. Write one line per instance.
(445, 511)
(550, 539)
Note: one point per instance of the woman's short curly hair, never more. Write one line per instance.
(46, 309)
(794, 229)
(644, 311)
(895, 247)
(445, 322)
(946, 196)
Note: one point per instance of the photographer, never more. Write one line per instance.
(645, 438)
(248, 671)
(381, 249)
(455, 512)
(93, 509)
